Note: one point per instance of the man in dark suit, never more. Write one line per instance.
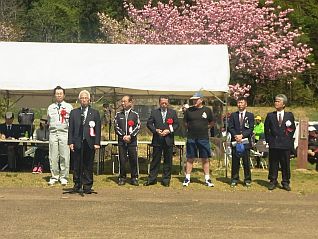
(127, 126)
(84, 138)
(8, 130)
(163, 122)
(279, 131)
(241, 125)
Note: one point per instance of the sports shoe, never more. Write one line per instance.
(248, 184)
(186, 182)
(52, 181)
(35, 169)
(40, 170)
(63, 181)
(233, 184)
(209, 183)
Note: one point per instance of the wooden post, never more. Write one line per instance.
(302, 144)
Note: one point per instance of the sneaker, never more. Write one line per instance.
(186, 182)
(52, 181)
(63, 181)
(209, 183)
(35, 169)
(233, 184)
(40, 170)
(248, 184)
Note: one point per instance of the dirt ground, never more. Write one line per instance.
(157, 212)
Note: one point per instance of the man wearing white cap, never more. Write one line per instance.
(198, 119)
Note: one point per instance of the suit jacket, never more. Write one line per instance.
(247, 127)
(122, 127)
(77, 132)
(279, 137)
(155, 122)
(15, 131)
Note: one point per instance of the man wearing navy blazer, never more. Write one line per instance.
(9, 130)
(279, 131)
(163, 122)
(84, 138)
(241, 125)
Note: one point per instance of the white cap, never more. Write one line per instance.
(311, 128)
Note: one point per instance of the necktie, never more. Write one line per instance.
(241, 119)
(280, 120)
(164, 113)
(59, 105)
(83, 115)
(126, 114)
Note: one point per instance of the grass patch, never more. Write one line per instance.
(303, 182)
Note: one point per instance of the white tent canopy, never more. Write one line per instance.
(34, 69)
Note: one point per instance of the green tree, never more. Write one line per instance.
(52, 21)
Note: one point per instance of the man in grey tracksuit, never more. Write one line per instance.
(59, 152)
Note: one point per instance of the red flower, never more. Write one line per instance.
(288, 130)
(63, 114)
(170, 121)
(131, 123)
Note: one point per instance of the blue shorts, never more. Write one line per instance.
(198, 145)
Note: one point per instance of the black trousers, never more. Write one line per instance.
(86, 168)
(167, 152)
(235, 176)
(39, 156)
(279, 157)
(128, 152)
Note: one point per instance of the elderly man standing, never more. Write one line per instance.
(59, 152)
(279, 131)
(163, 122)
(198, 119)
(84, 138)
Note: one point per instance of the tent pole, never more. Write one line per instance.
(226, 129)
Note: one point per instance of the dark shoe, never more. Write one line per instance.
(88, 191)
(286, 187)
(134, 181)
(121, 181)
(165, 184)
(148, 183)
(272, 186)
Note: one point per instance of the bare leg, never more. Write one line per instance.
(189, 165)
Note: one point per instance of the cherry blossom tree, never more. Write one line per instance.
(236, 91)
(261, 40)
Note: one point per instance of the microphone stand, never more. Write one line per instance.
(81, 191)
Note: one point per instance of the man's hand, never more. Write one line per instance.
(127, 138)
(159, 131)
(71, 147)
(165, 132)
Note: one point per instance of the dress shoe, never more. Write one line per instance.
(121, 181)
(148, 183)
(76, 189)
(165, 184)
(88, 191)
(286, 187)
(134, 181)
(272, 186)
